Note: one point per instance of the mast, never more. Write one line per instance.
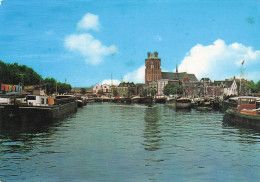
(111, 80)
(241, 76)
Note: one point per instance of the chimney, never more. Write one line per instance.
(156, 54)
(148, 54)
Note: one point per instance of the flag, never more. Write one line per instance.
(243, 62)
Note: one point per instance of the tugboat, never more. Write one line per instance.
(245, 113)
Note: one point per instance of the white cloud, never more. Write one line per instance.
(115, 82)
(88, 22)
(220, 61)
(85, 44)
(137, 76)
(89, 47)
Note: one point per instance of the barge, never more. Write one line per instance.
(245, 114)
(37, 107)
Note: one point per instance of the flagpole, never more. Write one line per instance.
(241, 74)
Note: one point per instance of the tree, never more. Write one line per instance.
(131, 91)
(149, 91)
(20, 74)
(152, 91)
(257, 86)
(50, 85)
(63, 88)
(171, 89)
(83, 91)
(250, 87)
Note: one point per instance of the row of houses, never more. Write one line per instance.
(156, 80)
(191, 87)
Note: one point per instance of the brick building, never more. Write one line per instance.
(152, 68)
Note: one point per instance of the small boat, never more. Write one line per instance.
(183, 103)
(245, 113)
(180, 103)
(160, 99)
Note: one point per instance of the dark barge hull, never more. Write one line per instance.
(37, 113)
(233, 118)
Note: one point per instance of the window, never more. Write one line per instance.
(42, 100)
(244, 101)
(31, 98)
(252, 101)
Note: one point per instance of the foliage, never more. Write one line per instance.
(131, 91)
(149, 91)
(51, 85)
(16, 74)
(83, 91)
(250, 87)
(63, 88)
(22, 75)
(171, 89)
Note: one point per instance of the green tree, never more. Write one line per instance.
(63, 88)
(171, 89)
(152, 91)
(50, 85)
(250, 87)
(83, 91)
(131, 91)
(257, 86)
(16, 74)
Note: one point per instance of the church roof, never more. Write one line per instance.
(178, 76)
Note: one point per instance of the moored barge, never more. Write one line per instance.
(37, 107)
(246, 113)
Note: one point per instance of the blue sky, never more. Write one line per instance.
(87, 41)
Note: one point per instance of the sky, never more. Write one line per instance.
(84, 42)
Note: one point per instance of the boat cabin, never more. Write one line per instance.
(246, 104)
(37, 100)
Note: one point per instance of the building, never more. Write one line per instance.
(155, 78)
(126, 89)
(152, 68)
(188, 81)
(106, 88)
(96, 88)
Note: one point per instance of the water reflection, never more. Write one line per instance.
(152, 129)
(247, 133)
(230, 122)
(17, 136)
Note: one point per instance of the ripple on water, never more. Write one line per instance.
(118, 142)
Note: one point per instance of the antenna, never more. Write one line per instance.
(111, 80)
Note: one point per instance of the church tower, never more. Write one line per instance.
(152, 68)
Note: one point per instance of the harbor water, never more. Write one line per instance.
(129, 142)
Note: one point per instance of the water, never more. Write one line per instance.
(116, 142)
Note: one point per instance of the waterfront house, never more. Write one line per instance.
(231, 89)
(106, 88)
(96, 88)
(126, 89)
